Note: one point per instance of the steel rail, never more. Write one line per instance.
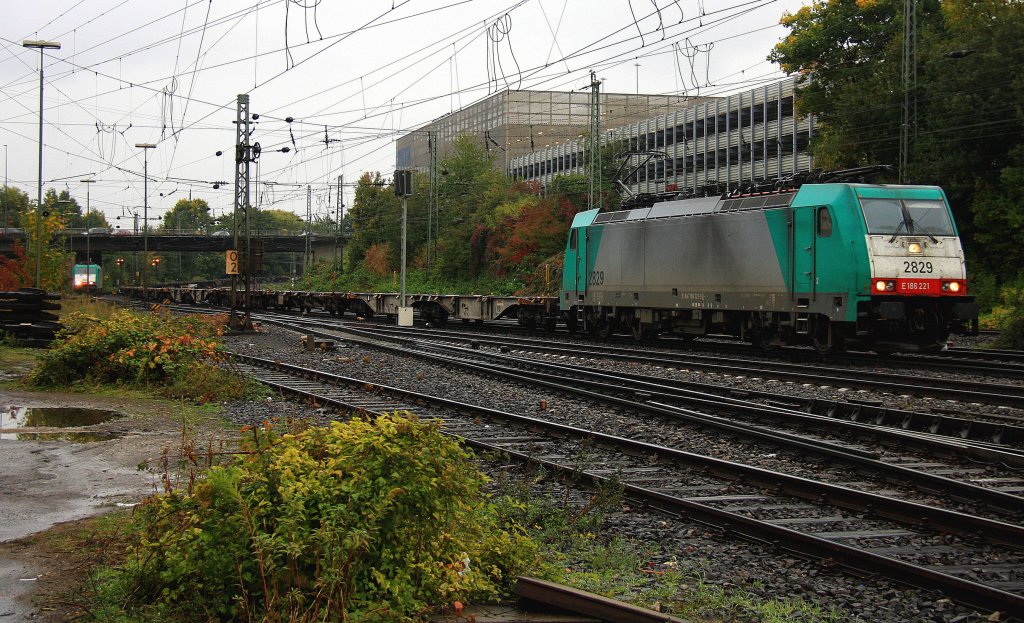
(899, 384)
(997, 500)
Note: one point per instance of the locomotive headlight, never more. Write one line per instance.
(885, 285)
(951, 286)
(914, 247)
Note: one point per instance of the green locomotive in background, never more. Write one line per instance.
(833, 264)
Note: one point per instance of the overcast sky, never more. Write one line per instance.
(353, 76)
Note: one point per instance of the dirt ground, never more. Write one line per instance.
(50, 489)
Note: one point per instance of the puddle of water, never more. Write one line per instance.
(82, 437)
(14, 417)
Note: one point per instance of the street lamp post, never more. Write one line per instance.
(88, 248)
(6, 222)
(41, 45)
(145, 147)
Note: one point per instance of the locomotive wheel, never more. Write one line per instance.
(823, 342)
(641, 332)
(600, 329)
(571, 325)
(765, 340)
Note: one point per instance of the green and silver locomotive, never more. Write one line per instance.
(830, 265)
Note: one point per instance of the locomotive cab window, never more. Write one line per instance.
(926, 217)
(574, 239)
(824, 223)
(931, 218)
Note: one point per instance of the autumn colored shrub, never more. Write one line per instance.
(378, 260)
(129, 348)
(369, 520)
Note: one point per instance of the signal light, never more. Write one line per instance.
(119, 261)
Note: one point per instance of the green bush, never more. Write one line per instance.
(984, 287)
(1008, 317)
(362, 521)
(130, 349)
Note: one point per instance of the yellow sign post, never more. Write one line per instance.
(232, 262)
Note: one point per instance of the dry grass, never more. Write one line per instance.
(70, 303)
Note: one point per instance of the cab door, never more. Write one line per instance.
(578, 245)
(812, 237)
(803, 252)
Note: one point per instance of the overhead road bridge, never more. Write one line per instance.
(321, 246)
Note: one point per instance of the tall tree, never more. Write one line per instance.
(188, 214)
(14, 203)
(848, 53)
(63, 206)
(374, 217)
(470, 189)
(53, 261)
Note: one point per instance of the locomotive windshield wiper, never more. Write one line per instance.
(902, 224)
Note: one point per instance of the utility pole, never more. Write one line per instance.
(88, 246)
(337, 238)
(243, 157)
(145, 147)
(908, 129)
(309, 229)
(6, 222)
(40, 45)
(432, 198)
(595, 142)
(403, 188)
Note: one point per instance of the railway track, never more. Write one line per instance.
(1001, 428)
(850, 442)
(988, 354)
(993, 362)
(864, 532)
(963, 390)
